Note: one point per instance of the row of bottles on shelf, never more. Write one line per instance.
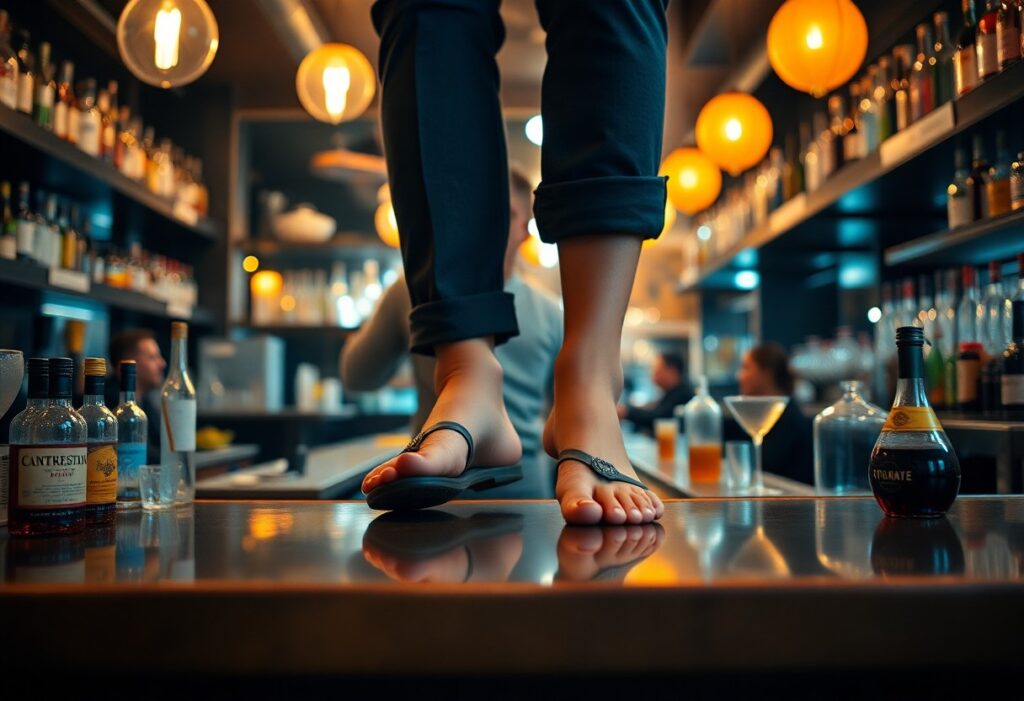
(92, 119)
(985, 189)
(893, 93)
(54, 235)
(974, 360)
(313, 298)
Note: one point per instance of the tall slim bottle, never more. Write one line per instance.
(178, 416)
(987, 45)
(48, 458)
(965, 58)
(101, 441)
(945, 83)
(922, 74)
(969, 313)
(132, 432)
(913, 470)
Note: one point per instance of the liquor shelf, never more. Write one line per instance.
(720, 585)
(935, 128)
(342, 246)
(22, 128)
(35, 277)
(298, 330)
(994, 238)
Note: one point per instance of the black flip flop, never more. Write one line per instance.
(602, 468)
(409, 493)
(425, 535)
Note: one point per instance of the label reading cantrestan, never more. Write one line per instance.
(49, 476)
(101, 484)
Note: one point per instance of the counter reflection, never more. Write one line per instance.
(697, 543)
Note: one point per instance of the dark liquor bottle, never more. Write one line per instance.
(8, 224)
(46, 89)
(101, 425)
(945, 83)
(968, 376)
(65, 111)
(903, 60)
(1012, 390)
(979, 178)
(997, 184)
(1008, 32)
(48, 457)
(922, 75)
(914, 471)
(965, 60)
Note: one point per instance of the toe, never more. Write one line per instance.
(644, 504)
(633, 512)
(612, 509)
(659, 507)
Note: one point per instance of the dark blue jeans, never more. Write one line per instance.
(602, 101)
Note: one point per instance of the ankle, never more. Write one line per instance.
(578, 368)
(473, 359)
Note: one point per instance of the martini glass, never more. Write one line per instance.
(757, 416)
(12, 370)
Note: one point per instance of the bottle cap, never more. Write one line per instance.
(971, 346)
(179, 329)
(96, 367)
(910, 335)
(62, 367)
(993, 271)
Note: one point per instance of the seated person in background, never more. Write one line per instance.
(139, 345)
(669, 375)
(789, 447)
(372, 356)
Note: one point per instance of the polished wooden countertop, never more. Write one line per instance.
(334, 588)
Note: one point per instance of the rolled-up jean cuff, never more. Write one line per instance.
(473, 316)
(633, 205)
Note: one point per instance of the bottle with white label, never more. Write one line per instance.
(178, 417)
(65, 106)
(48, 456)
(89, 120)
(132, 432)
(101, 444)
(26, 75)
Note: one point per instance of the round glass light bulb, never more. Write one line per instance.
(167, 43)
(335, 83)
(386, 224)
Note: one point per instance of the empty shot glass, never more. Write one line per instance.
(158, 486)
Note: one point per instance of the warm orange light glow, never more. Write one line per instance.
(735, 131)
(530, 250)
(287, 303)
(816, 46)
(266, 283)
(694, 181)
(335, 83)
(250, 264)
(386, 224)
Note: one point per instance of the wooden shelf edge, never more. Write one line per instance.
(947, 241)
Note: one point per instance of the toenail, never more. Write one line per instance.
(648, 512)
(635, 513)
(617, 511)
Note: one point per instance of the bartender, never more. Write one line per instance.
(668, 375)
(788, 448)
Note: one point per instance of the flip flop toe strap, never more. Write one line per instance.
(414, 445)
(602, 468)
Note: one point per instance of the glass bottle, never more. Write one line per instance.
(903, 61)
(89, 125)
(26, 75)
(945, 83)
(48, 435)
(960, 193)
(1008, 32)
(106, 127)
(913, 470)
(837, 127)
(1017, 183)
(882, 96)
(979, 177)
(26, 225)
(867, 115)
(907, 314)
(885, 341)
(65, 110)
(132, 436)
(997, 182)
(8, 224)
(46, 89)
(69, 240)
(852, 136)
(994, 303)
(703, 426)
(844, 435)
(922, 74)
(1012, 389)
(101, 441)
(987, 45)
(948, 317)
(965, 59)
(178, 417)
(8, 65)
(967, 313)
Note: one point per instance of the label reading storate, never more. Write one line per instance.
(101, 485)
(49, 475)
(178, 425)
(1013, 390)
(4, 471)
(912, 418)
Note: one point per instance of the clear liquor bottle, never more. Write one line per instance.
(132, 433)
(968, 327)
(995, 330)
(178, 417)
(101, 442)
(26, 74)
(922, 74)
(913, 470)
(63, 125)
(48, 457)
(960, 193)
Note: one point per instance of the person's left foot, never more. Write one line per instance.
(589, 553)
(488, 560)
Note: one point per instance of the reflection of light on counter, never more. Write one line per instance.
(656, 569)
(265, 524)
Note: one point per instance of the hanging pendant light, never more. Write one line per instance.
(167, 43)
(817, 45)
(386, 224)
(694, 181)
(335, 83)
(735, 131)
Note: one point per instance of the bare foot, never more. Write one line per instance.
(469, 392)
(592, 553)
(489, 560)
(584, 417)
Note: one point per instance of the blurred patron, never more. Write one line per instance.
(668, 375)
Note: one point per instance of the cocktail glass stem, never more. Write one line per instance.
(758, 468)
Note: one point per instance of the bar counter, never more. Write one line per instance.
(505, 588)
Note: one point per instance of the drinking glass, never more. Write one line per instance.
(665, 432)
(158, 486)
(739, 465)
(757, 416)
